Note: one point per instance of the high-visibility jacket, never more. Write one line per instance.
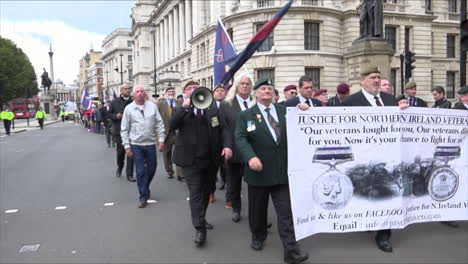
(40, 115)
(62, 113)
(7, 115)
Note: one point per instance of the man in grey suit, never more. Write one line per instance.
(166, 106)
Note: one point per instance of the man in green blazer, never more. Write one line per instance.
(262, 143)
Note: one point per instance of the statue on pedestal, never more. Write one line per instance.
(371, 19)
(46, 82)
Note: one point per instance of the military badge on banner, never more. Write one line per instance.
(444, 181)
(251, 126)
(214, 121)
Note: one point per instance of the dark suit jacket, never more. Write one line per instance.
(231, 113)
(260, 143)
(295, 101)
(358, 99)
(334, 101)
(460, 106)
(186, 142)
(444, 103)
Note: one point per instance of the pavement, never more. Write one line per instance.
(21, 125)
(60, 202)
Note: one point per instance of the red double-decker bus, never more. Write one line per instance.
(23, 107)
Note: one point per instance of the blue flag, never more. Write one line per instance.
(85, 99)
(224, 51)
(255, 42)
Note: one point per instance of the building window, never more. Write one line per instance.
(428, 5)
(129, 43)
(450, 91)
(231, 34)
(390, 35)
(266, 73)
(390, 1)
(310, 2)
(450, 46)
(203, 54)
(265, 3)
(189, 66)
(130, 74)
(129, 58)
(311, 36)
(269, 41)
(313, 73)
(452, 6)
(182, 67)
(393, 80)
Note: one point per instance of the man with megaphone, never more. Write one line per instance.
(200, 141)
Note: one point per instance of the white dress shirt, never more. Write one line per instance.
(241, 102)
(371, 98)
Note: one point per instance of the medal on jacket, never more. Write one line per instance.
(333, 189)
(259, 117)
(214, 121)
(250, 126)
(443, 181)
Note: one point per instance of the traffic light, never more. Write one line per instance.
(409, 64)
(464, 35)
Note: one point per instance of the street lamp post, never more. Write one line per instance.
(121, 69)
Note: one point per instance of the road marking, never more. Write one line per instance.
(188, 198)
(108, 204)
(11, 211)
(29, 248)
(60, 208)
(152, 201)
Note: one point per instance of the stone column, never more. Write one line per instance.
(188, 21)
(182, 26)
(158, 45)
(171, 34)
(166, 38)
(196, 16)
(176, 31)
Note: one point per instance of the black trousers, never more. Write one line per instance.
(121, 157)
(108, 133)
(7, 125)
(258, 209)
(234, 185)
(199, 179)
(222, 173)
(383, 234)
(41, 122)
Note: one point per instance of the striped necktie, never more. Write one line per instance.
(273, 124)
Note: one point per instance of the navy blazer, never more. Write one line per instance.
(359, 99)
(295, 101)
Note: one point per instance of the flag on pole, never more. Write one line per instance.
(85, 99)
(236, 63)
(224, 51)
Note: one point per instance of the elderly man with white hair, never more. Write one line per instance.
(141, 122)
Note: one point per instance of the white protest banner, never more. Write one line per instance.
(370, 168)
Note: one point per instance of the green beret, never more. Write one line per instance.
(368, 69)
(264, 81)
(463, 90)
(410, 85)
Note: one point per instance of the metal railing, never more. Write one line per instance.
(265, 3)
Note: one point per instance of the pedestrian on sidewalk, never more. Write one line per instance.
(62, 115)
(141, 123)
(40, 116)
(116, 110)
(107, 123)
(7, 116)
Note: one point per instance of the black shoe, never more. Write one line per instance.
(180, 178)
(118, 173)
(223, 185)
(142, 204)
(170, 175)
(208, 226)
(256, 245)
(236, 217)
(108, 145)
(384, 244)
(294, 257)
(451, 224)
(130, 178)
(200, 238)
(269, 225)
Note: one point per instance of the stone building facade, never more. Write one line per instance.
(177, 37)
(88, 60)
(117, 58)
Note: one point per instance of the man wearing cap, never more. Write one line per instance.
(410, 92)
(370, 95)
(262, 143)
(463, 94)
(439, 97)
(306, 91)
(198, 149)
(219, 93)
(237, 100)
(290, 91)
(322, 96)
(166, 106)
(342, 92)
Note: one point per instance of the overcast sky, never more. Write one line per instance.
(72, 27)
